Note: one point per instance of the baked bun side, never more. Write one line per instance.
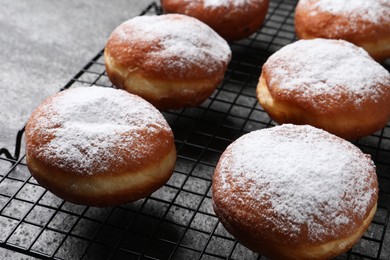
(160, 92)
(364, 23)
(295, 192)
(269, 247)
(170, 60)
(232, 19)
(103, 190)
(99, 146)
(330, 84)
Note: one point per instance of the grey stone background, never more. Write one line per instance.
(43, 43)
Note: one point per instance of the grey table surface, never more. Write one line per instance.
(44, 43)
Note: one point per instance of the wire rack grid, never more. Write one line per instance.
(177, 221)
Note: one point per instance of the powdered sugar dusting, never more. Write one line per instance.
(181, 42)
(83, 126)
(310, 177)
(226, 3)
(375, 11)
(311, 68)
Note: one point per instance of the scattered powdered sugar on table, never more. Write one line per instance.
(89, 123)
(306, 176)
(310, 68)
(180, 42)
(375, 11)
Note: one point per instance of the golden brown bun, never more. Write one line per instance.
(99, 146)
(338, 108)
(108, 189)
(367, 26)
(233, 21)
(162, 93)
(172, 61)
(295, 192)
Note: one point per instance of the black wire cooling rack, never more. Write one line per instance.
(177, 221)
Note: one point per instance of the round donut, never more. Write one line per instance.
(99, 146)
(232, 19)
(295, 192)
(172, 60)
(364, 23)
(330, 84)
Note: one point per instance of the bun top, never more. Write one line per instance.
(334, 73)
(303, 183)
(93, 130)
(173, 46)
(375, 11)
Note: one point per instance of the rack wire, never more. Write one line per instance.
(177, 221)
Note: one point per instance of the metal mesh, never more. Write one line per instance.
(177, 221)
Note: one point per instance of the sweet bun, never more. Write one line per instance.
(330, 84)
(364, 23)
(295, 192)
(172, 60)
(232, 19)
(99, 146)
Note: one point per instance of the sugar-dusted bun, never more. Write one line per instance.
(99, 146)
(172, 61)
(365, 23)
(232, 19)
(295, 192)
(330, 84)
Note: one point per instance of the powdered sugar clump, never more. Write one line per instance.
(180, 43)
(375, 11)
(320, 67)
(310, 178)
(82, 128)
